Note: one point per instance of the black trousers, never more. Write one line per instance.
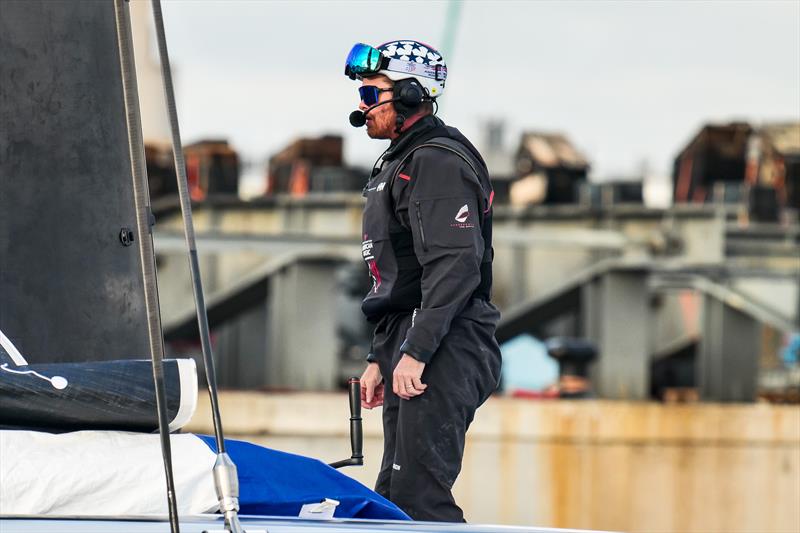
(424, 437)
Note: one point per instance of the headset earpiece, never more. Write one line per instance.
(409, 93)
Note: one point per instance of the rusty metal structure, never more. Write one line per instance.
(758, 166)
(312, 165)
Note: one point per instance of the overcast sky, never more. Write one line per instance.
(627, 81)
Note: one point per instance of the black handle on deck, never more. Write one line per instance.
(356, 432)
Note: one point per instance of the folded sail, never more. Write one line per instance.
(117, 395)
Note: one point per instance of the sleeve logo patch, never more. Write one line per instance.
(461, 217)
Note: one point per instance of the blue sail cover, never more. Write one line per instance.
(278, 484)
(46, 474)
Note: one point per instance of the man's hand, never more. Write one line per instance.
(372, 387)
(406, 378)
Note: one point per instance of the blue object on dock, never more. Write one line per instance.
(526, 365)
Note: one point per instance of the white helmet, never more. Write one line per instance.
(412, 59)
(399, 60)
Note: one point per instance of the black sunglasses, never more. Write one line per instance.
(370, 94)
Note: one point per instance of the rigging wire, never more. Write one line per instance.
(225, 474)
(141, 197)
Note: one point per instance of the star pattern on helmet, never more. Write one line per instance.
(411, 51)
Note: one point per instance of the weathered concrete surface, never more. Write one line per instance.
(640, 467)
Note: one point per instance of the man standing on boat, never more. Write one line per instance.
(427, 243)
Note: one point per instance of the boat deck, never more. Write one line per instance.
(252, 524)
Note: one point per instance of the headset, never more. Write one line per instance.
(408, 95)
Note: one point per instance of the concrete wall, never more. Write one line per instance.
(535, 249)
(621, 466)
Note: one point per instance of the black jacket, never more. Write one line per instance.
(427, 237)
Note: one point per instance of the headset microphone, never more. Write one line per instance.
(358, 118)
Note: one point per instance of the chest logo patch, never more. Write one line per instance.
(372, 264)
(462, 214)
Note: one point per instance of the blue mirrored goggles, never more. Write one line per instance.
(364, 60)
(371, 94)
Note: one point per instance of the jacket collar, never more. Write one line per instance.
(425, 128)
